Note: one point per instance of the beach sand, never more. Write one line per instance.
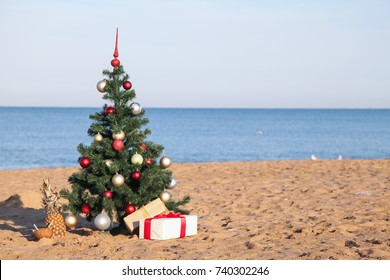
(331, 209)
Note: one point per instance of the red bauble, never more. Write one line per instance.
(115, 62)
(107, 194)
(127, 85)
(109, 110)
(143, 147)
(85, 162)
(85, 208)
(118, 144)
(136, 175)
(148, 161)
(130, 208)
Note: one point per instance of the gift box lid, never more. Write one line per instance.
(151, 209)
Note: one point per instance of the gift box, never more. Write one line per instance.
(151, 209)
(167, 226)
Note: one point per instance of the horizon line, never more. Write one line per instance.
(238, 108)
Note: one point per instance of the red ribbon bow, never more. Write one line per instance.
(148, 222)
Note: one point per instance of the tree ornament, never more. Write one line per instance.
(118, 180)
(116, 53)
(137, 159)
(172, 183)
(136, 175)
(165, 162)
(165, 196)
(109, 110)
(101, 86)
(135, 108)
(130, 208)
(85, 162)
(148, 161)
(127, 85)
(98, 137)
(143, 147)
(71, 221)
(115, 62)
(85, 208)
(119, 136)
(102, 221)
(118, 145)
(107, 193)
(108, 162)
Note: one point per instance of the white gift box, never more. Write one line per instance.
(167, 228)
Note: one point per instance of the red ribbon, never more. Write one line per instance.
(148, 222)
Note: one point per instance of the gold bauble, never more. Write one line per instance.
(108, 162)
(118, 136)
(118, 180)
(98, 137)
(165, 162)
(137, 159)
(71, 221)
(165, 196)
(101, 86)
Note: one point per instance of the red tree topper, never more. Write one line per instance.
(115, 62)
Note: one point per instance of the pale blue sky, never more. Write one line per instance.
(236, 54)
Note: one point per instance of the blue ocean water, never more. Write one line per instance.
(48, 137)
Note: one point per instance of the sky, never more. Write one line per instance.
(198, 54)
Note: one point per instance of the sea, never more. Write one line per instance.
(48, 137)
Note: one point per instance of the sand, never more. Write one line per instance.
(294, 210)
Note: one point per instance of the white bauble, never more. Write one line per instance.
(102, 221)
(135, 108)
(172, 183)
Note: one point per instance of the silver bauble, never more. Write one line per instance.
(98, 137)
(118, 136)
(118, 180)
(137, 159)
(102, 221)
(101, 85)
(165, 196)
(172, 183)
(165, 162)
(135, 108)
(71, 221)
(108, 162)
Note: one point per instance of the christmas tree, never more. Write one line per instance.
(120, 169)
